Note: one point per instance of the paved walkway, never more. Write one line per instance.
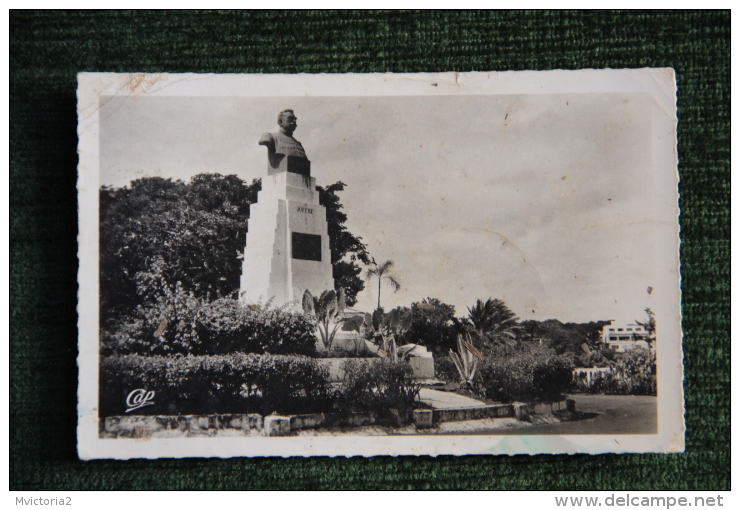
(447, 399)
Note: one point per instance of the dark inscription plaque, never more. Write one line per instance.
(306, 246)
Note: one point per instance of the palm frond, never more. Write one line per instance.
(372, 272)
(394, 282)
(492, 317)
(385, 266)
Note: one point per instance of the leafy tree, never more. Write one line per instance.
(433, 325)
(383, 272)
(591, 331)
(560, 337)
(188, 233)
(528, 330)
(346, 249)
(563, 338)
(193, 233)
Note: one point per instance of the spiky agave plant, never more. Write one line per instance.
(327, 312)
(466, 360)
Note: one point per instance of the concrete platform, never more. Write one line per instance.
(447, 400)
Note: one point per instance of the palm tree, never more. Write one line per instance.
(382, 272)
(492, 317)
(649, 326)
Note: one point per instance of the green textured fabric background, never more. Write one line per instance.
(48, 49)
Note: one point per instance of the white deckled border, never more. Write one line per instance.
(659, 83)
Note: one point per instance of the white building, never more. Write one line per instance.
(624, 337)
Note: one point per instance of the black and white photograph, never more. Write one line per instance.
(380, 264)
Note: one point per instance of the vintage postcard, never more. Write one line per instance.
(380, 264)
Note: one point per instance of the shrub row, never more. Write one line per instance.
(614, 385)
(516, 375)
(526, 378)
(251, 383)
(631, 373)
(234, 383)
(378, 386)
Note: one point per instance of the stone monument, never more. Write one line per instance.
(287, 250)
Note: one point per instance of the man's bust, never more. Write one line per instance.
(285, 153)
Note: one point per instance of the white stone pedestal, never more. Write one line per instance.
(287, 248)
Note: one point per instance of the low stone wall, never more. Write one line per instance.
(474, 413)
(239, 424)
(546, 407)
(311, 421)
(256, 425)
(518, 410)
(186, 425)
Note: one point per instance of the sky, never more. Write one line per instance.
(541, 200)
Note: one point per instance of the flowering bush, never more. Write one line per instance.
(234, 383)
(225, 326)
(180, 323)
(165, 327)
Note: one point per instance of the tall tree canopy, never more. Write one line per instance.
(346, 248)
(194, 233)
(189, 233)
(568, 337)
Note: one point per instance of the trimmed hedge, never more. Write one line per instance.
(234, 383)
(251, 383)
(525, 374)
(378, 386)
(526, 377)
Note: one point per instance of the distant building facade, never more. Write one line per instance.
(624, 337)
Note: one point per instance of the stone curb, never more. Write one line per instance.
(256, 425)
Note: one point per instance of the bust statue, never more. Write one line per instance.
(285, 153)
